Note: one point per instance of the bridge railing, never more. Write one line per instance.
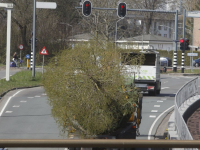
(187, 91)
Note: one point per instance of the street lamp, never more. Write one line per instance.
(72, 33)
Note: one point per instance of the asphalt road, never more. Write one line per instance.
(12, 72)
(26, 114)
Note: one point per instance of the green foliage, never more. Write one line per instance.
(85, 89)
(20, 79)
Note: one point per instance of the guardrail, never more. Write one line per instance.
(100, 143)
(187, 91)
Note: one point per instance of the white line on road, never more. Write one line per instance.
(37, 96)
(152, 116)
(16, 106)
(156, 105)
(30, 97)
(23, 101)
(164, 88)
(9, 101)
(163, 99)
(154, 110)
(159, 101)
(8, 112)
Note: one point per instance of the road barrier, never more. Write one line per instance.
(185, 93)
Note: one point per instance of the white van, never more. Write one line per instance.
(146, 76)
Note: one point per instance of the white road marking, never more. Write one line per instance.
(44, 94)
(163, 99)
(154, 110)
(30, 97)
(9, 101)
(152, 126)
(8, 112)
(156, 105)
(37, 96)
(152, 116)
(159, 101)
(16, 106)
(23, 101)
(164, 88)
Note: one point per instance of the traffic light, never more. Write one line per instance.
(87, 8)
(182, 42)
(121, 11)
(187, 44)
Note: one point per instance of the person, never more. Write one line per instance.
(15, 58)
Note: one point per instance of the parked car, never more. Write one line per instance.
(196, 62)
(165, 61)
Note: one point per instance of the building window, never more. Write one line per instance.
(165, 35)
(160, 27)
(159, 34)
(165, 26)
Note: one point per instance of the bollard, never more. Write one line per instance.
(27, 63)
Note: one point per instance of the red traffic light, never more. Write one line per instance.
(121, 11)
(122, 6)
(181, 40)
(87, 8)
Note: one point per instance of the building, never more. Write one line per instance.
(146, 42)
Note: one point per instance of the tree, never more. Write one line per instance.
(85, 89)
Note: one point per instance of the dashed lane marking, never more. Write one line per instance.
(151, 116)
(164, 88)
(156, 105)
(159, 101)
(30, 97)
(154, 110)
(16, 105)
(23, 101)
(8, 112)
(37, 96)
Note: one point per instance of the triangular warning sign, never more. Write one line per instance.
(44, 51)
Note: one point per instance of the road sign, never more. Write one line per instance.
(192, 54)
(46, 5)
(27, 56)
(193, 14)
(21, 47)
(44, 51)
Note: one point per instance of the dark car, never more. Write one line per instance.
(165, 61)
(196, 62)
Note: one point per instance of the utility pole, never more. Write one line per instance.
(33, 38)
(183, 51)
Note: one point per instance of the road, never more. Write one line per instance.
(12, 72)
(155, 107)
(25, 114)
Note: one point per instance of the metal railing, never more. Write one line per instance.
(187, 91)
(101, 143)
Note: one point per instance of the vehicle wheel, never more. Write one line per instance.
(196, 65)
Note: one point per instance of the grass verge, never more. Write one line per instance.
(19, 80)
(194, 71)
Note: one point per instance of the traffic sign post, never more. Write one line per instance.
(43, 52)
(21, 47)
(44, 5)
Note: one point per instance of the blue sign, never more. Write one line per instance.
(28, 56)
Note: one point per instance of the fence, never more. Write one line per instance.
(187, 91)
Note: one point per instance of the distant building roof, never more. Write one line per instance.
(149, 37)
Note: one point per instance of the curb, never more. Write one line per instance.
(3, 94)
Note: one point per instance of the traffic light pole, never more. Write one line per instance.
(183, 51)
